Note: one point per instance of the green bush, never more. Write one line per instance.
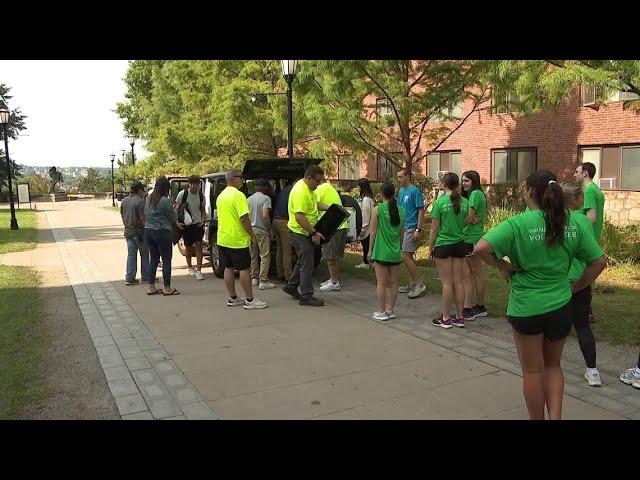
(621, 244)
(507, 195)
(497, 215)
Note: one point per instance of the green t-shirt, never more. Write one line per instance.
(577, 266)
(594, 198)
(451, 224)
(232, 205)
(542, 285)
(474, 231)
(386, 245)
(327, 194)
(302, 199)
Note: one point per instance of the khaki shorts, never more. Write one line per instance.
(409, 245)
(334, 248)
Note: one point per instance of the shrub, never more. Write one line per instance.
(507, 195)
(620, 244)
(497, 215)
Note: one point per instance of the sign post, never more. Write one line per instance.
(24, 194)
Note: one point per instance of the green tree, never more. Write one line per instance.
(38, 185)
(94, 182)
(15, 126)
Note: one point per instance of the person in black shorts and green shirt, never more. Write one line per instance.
(541, 244)
(446, 244)
(472, 272)
(593, 205)
(580, 301)
(385, 242)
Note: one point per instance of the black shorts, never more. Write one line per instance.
(469, 247)
(237, 258)
(192, 234)
(555, 325)
(386, 264)
(457, 250)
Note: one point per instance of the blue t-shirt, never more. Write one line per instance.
(411, 199)
(282, 202)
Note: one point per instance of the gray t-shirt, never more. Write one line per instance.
(257, 203)
(131, 208)
(193, 200)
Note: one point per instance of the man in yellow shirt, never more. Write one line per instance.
(303, 215)
(235, 236)
(333, 250)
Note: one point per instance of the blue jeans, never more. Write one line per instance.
(160, 245)
(133, 247)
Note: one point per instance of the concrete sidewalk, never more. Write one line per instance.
(291, 362)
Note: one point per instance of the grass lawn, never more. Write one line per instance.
(17, 240)
(615, 304)
(23, 341)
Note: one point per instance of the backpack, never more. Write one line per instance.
(185, 206)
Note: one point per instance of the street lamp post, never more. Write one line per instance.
(4, 120)
(124, 164)
(289, 73)
(113, 182)
(132, 142)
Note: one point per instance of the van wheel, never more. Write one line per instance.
(181, 247)
(218, 271)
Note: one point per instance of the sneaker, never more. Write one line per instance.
(291, 291)
(363, 266)
(458, 322)
(330, 287)
(311, 301)
(417, 291)
(254, 282)
(199, 275)
(266, 285)
(436, 276)
(636, 384)
(191, 271)
(391, 315)
(479, 311)
(440, 322)
(326, 282)
(235, 302)
(467, 313)
(593, 379)
(254, 304)
(406, 288)
(382, 316)
(630, 377)
(132, 282)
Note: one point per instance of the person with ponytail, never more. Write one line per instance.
(367, 204)
(581, 301)
(446, 244)
(473, 230)
(385, 242)
(541, 244)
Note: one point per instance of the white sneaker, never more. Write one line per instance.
(199, 275)
(254, 304)
(406, 288)
(417, 291)
(382, 316)
(266, 285)
(363, 265)
(325, 282)
(636, 384)
(330, 287)
(235, 302)
(191, 271)
(629, 377)
(254, 282)
(593, 379)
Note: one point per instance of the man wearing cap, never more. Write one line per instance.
(194, 205)
(132, 213)
(260, 214)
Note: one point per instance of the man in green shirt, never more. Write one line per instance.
(333, 250)
(235, 236)
(303, 215)
(593, 205)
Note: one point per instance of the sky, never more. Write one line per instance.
(69, 107)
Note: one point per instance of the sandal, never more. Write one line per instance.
(173, 292)
(155, 292)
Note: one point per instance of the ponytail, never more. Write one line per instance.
(550, 198)
(451, 181)
(388, 192)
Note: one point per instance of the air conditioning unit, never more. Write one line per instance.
(607, 182)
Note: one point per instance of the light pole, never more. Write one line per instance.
(124, 164)
(289, 73)
(4, 120)
(113, 182)
(132, 141)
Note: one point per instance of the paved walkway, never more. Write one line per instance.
(190, 356)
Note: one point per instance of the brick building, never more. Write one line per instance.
(502, 148)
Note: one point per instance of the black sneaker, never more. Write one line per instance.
(291, 291)
(468, 313)
(478, 311)
(311, 301)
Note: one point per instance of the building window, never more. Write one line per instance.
(446, 113)
(513, 164)
(441, 162)
(383, 108)
(348, 168)
(589, 94)
(386, 169)
(505, 103)
(617, 167)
